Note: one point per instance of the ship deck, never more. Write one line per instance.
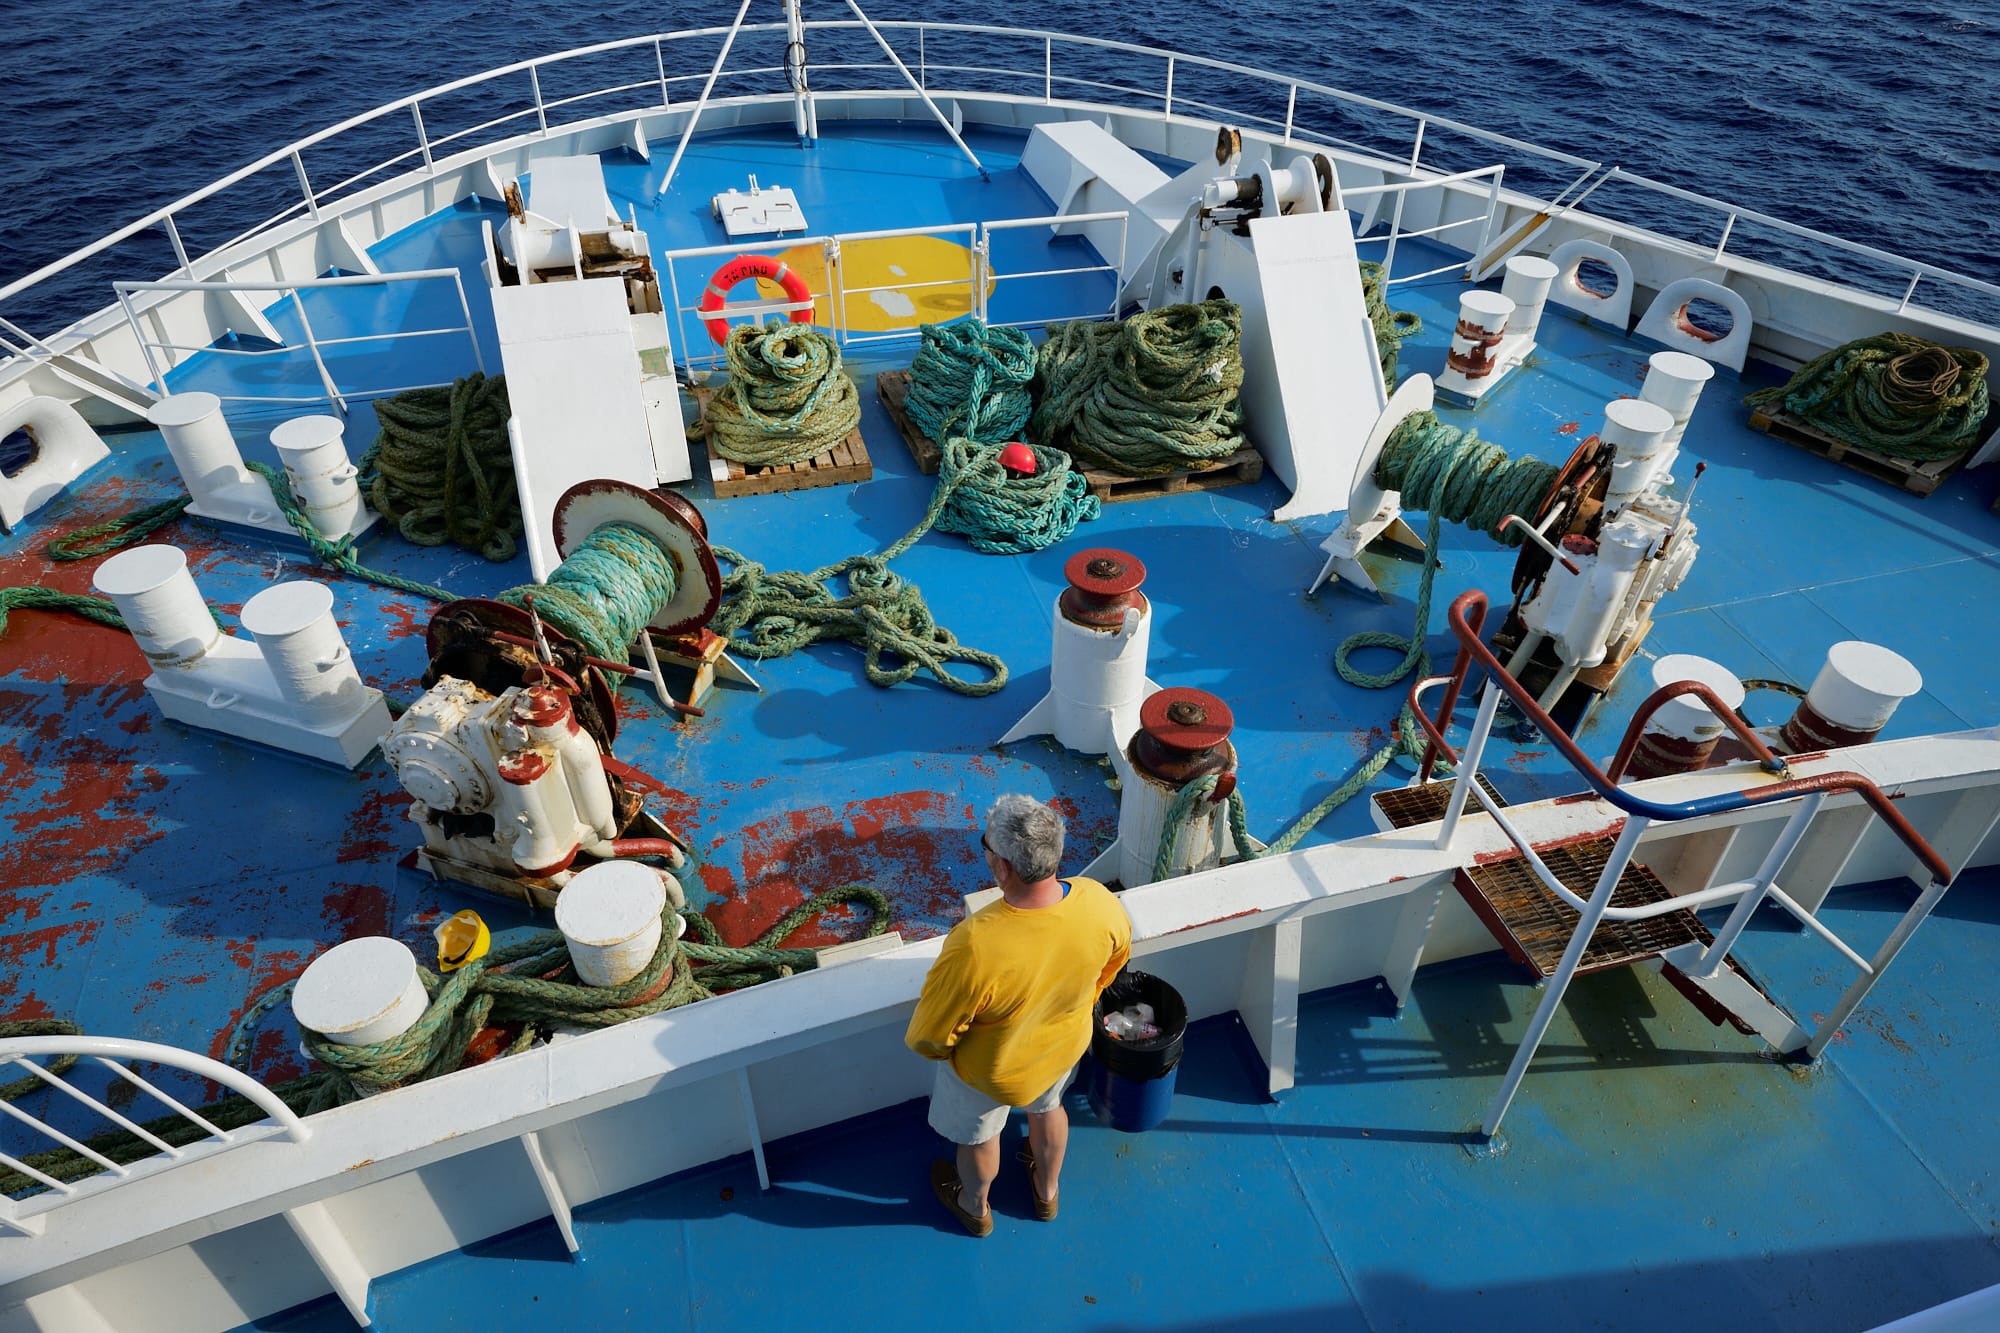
(164, 879)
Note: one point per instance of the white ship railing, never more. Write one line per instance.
(27, 1217)
(837, 294)
(655, 90)
(330, 393)
(1401, 190)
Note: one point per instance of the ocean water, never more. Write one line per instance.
(1875, 123)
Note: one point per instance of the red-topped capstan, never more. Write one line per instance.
(1103, 584)
(1183, 734)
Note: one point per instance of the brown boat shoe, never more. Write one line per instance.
(1045, 1209)
(946, 1185)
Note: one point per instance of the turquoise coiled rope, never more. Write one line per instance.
(605, 591)
(1454, 477)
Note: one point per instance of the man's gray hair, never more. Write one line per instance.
(1028, 834)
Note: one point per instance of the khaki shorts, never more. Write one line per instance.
(964, 1114)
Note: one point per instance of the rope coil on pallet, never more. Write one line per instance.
(787, 398)
(1146, 396)
(1894, 393)
(970, 380)
(442, 467)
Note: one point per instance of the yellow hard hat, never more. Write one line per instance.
(461, 938)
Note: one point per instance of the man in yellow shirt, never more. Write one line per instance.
(1006, 1009)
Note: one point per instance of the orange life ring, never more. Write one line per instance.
(742, 268)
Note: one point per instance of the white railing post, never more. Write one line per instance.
(465, 308)
(1395, 233)
(1876, 967)
(1722, 242)
(660, 61)
(423, 139)
(1916, 276)
(923, 72)
(541, 109)
(1291, 105)
(1417, 148)
(145, 344)
(305, 185)
(1552, 994)
(333, 398)
(1717, 952)
(1048, 70)
(1167, 106)
(180, 250)
(1468, 763)
(1492, 209)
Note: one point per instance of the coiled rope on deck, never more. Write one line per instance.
(1146, 396)
(787, 398)
(442, 468)
(1391, 326)
(1002, 514)
(1894, 393)
(605, 590)
(529, 981)
(970, 380)
(1453, 476)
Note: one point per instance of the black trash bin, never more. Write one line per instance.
(1132, 1082)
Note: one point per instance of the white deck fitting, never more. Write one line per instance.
(573, 382)
(197, 434)
(761, 210)
(570, 190)
(65, 447)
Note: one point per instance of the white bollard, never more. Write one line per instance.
(361, 992)
(1682, 735)
(1674, 380)
(315, 457)
(1526, 284)
(160, 604)
(1482, 323)
(611, 915)
(1852, 698)
(1638, 431)
(302, 645)
(199, 438)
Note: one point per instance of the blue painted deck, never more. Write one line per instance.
(1659, 1173)
(165, 878)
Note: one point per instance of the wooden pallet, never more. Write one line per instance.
(893, 388)
(1239, 469)
(1916, 478)
(845, 463)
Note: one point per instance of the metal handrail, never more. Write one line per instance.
(412, 105)
(1470, 646)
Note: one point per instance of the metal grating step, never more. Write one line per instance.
(1534, 926)
(1406, 807)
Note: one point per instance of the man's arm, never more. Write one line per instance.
(946, 1007)
(1121, 951)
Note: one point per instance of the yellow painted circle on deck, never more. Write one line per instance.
(888, 282)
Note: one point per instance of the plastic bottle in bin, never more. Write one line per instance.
(1132, 1070)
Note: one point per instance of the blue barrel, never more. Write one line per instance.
(1131, 1083)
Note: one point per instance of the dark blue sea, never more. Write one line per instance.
(1874, 122)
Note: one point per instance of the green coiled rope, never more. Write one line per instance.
(1002, 514)
(605, 590)
(528, 981)
(787, 398)
(1146, 396)
(1894, 393)
(970, 380)
(1391, 326)
(442, 467)
(1453, 476)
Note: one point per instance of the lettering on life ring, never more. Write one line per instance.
(742, 269)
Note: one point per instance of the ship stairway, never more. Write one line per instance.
(1533, 926)
(1586, 904)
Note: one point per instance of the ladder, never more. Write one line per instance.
(1586, 906)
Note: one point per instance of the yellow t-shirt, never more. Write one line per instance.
(1008, 1000)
